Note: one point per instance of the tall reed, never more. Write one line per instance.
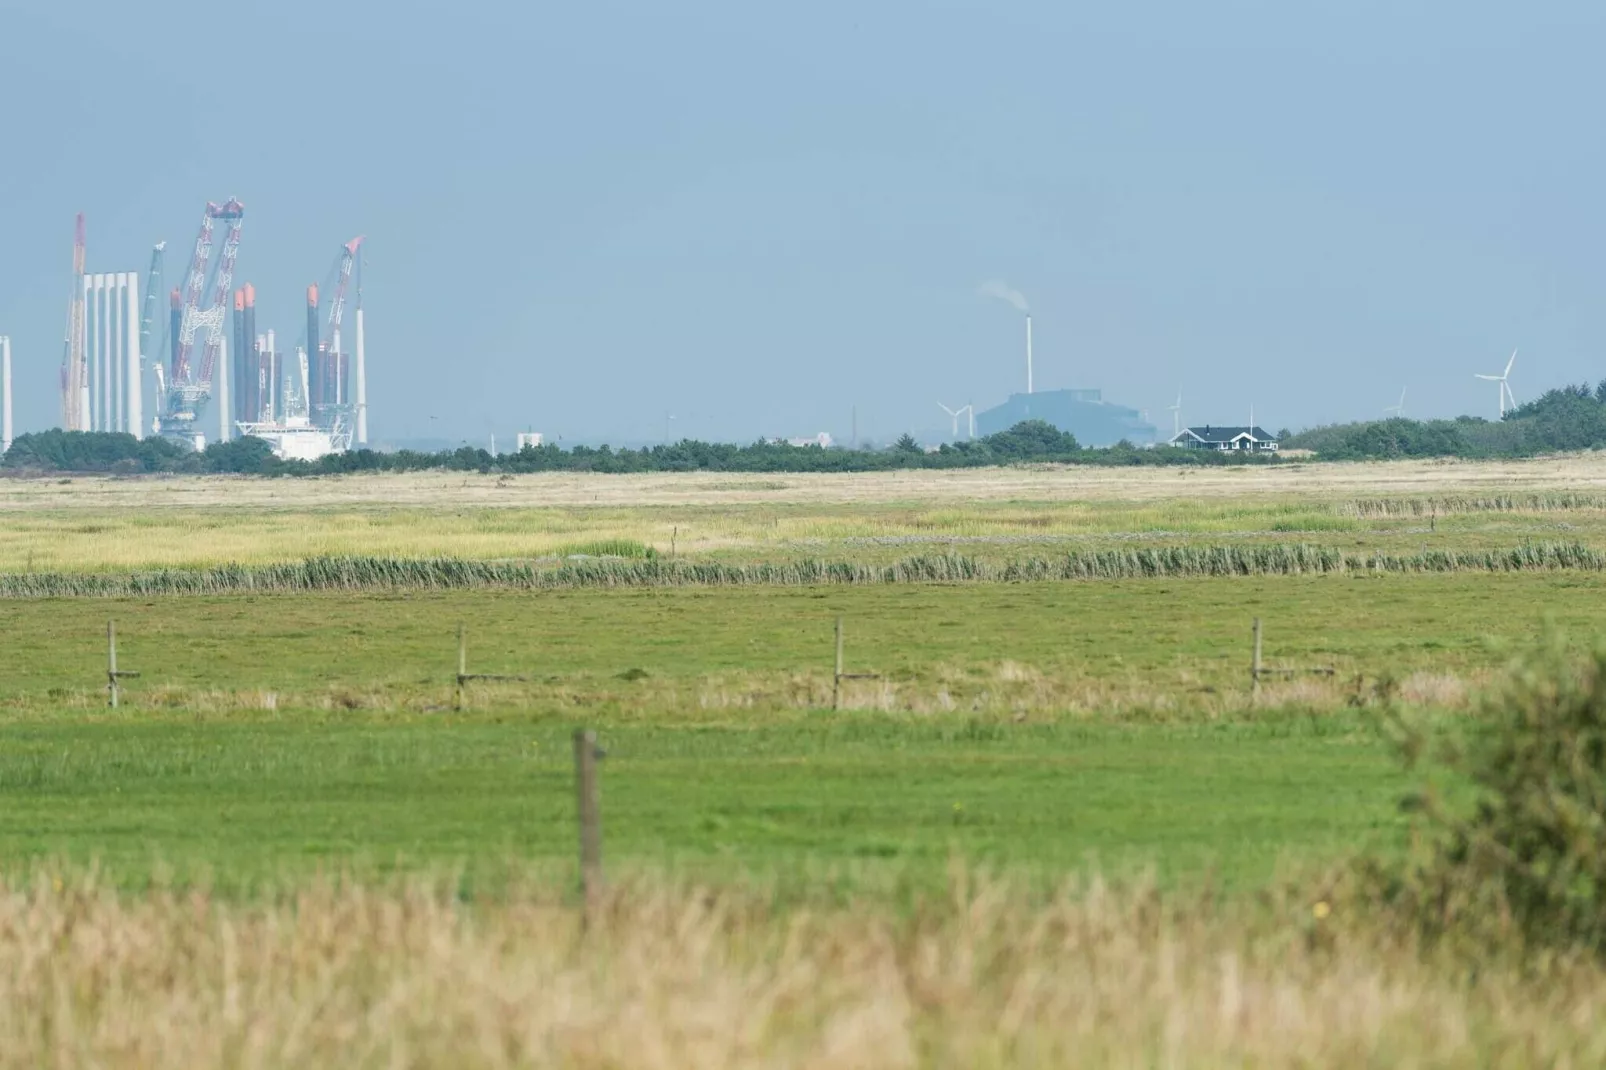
(447, 573)
(1449, 505)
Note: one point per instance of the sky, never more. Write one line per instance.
(728, 219)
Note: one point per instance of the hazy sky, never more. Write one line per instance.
(584, 216)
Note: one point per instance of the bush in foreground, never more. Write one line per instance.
(1527, 863)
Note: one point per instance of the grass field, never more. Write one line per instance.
(1159, 645)
(1029, 726)
(290, 823)
(840, 799)
(90, 524)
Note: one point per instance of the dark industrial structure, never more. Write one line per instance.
(1084, 413)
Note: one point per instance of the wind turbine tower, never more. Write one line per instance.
(1507, 399)
(1176, 416)
(1398, 411)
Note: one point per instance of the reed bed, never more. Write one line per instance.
(672, 975)
(445, 573)
(1450, 505)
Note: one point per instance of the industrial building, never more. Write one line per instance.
(112, 399)
(1084, 413)
(305, 406)
(101, 376)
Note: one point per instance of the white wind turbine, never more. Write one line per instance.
(1398, 410)
(1176, 416)
(955, 414)
(1506, 396)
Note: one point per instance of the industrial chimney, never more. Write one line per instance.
(239, 354)
(1028, 352)
(362, 382)
(314, 357)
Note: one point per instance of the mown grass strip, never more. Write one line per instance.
(445, 573)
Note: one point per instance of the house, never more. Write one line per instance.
(1255, 439)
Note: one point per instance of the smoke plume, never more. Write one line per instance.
(1002, 291)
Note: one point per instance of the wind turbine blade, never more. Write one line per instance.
(1491, 378)
(1509, 363)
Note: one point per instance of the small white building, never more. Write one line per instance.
(532, 439)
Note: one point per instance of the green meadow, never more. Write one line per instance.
(1035, 727)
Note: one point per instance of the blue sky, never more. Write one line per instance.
(754, 217)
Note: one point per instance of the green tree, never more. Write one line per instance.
(1031, 440)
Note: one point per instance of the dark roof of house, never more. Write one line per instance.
(1211, 433)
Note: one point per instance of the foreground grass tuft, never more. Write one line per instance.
(671, 975)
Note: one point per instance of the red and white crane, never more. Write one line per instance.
(331, 399)
(337, 307)
(189, 388)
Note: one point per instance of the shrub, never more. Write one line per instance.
(1527, 860)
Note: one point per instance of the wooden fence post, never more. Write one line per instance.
(590, 813)
(836, 680)
(111, 662)
(464, 676)
(1254, 669)
(114, 675)
(462, 663)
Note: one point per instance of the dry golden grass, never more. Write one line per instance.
(673, 976)
(96, 523)
(1005, 691)
(1034, 483)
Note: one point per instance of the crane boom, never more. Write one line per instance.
(186, 391)
(337, 307)
(234, 211)
(153, 290)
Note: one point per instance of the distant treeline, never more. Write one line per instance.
(1567, 418)
(1030, 441)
